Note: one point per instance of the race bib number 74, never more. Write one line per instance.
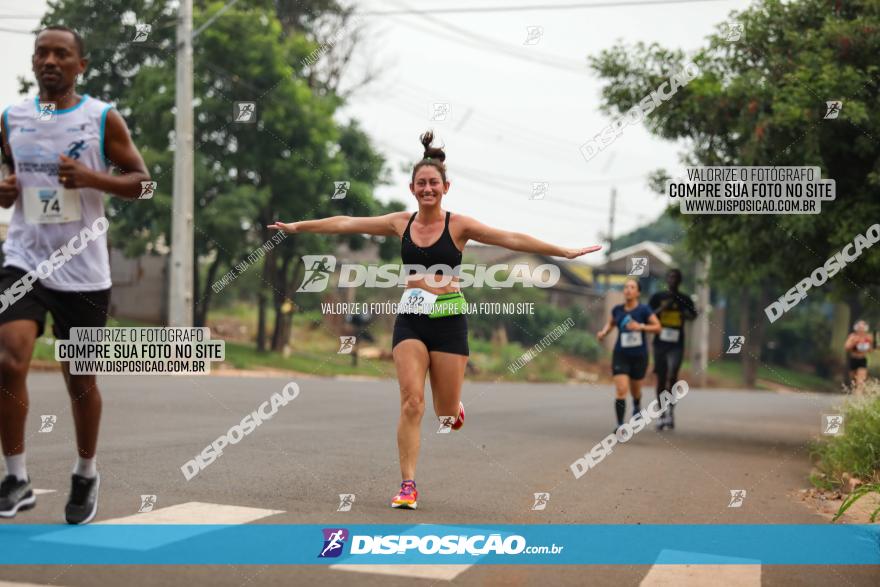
(51, 205)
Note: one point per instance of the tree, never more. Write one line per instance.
(761, 101)
(246, 175)
(337, 34)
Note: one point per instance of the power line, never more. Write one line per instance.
(506, 126)
(492, 45)
(512, 186)
(490, 125)
(485, 130)
(521, 8)
(402, 106)
(538, 150)
(509, 183)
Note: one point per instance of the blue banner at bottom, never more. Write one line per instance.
(281, 544)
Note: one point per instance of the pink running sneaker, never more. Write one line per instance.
(408, 496)
(460, 422)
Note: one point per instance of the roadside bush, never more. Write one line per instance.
(856, 452)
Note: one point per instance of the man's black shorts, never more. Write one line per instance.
(69, 309)
(667, 360)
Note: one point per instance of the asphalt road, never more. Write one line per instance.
(338, 436)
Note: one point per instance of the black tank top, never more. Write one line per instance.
(442, 252)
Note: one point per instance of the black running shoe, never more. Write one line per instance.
(82, 505)
(15, 495)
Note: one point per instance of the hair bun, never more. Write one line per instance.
(430, 151)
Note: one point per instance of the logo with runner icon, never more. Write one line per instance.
(141, 32)
(832, 109)
(340, 189)
(533, 35)
(334, 541)
(74, 149)
(346, 500)
(446, 423)
(541, 500)
(540, 189)
(734, 30)
(346, 345)
(47, 422)
(317, 274)
(148, 502)
(439, 111)
(46, 111)
(148, 188)
(832, 424)
(638, 266)
(735, 344)
(245, 112)
(737, 497)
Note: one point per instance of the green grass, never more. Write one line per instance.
(314, 351)
(325, 364)
(729, 373)
(44, 350)
(321, 360)
(493, 361)
(796, 379)
(856, 452)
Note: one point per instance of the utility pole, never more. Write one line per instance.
(180, 283)
(701, 326)
(610, 237)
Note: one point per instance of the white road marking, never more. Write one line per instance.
(13, 584)
(433, 572)
(38, 492)
(196, 512)
(739, 573)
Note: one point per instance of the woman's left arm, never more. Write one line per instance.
(517, 241)
(653, 324)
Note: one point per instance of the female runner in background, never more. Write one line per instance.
(858, 344)
(630, 360)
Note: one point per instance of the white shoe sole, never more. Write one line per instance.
(94, 511)
(24, 504)
(405, 506)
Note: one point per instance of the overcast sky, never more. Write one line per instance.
(517, 112)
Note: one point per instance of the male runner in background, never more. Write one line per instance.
(62, 145)
(672, 309)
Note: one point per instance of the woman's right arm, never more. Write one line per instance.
(850, 343)
(374, 225)
(608, 328)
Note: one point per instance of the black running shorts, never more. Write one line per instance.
(69, 309)
(445, 335)
(858, 363)
(634, 366)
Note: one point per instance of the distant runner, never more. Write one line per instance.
(858, 344)
(630, 359)
(672, 308)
